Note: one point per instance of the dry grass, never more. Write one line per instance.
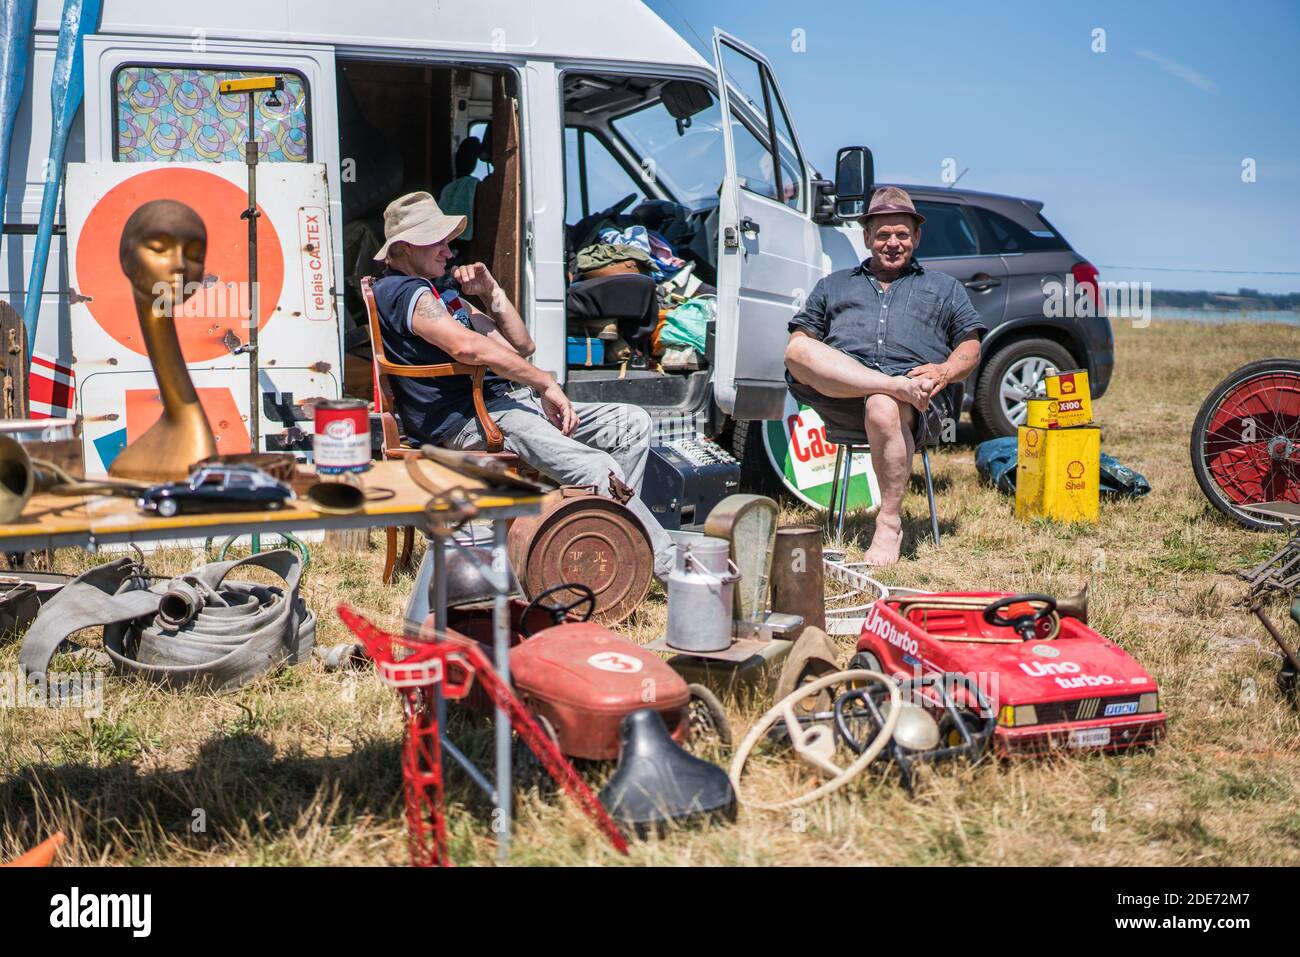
(302, 768)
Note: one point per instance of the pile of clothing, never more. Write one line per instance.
(635, 295)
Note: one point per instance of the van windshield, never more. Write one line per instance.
(685, 155)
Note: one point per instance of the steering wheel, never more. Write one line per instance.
(814, 743)
(559, 613)
(1027, 625)
(618, 207)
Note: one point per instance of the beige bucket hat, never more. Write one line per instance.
(416, 219)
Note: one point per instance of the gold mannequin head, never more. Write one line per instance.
(163, 247)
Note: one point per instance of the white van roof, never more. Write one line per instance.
(617, 30)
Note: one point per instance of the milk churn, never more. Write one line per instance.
(699, 595)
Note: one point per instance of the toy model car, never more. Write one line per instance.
(1054, 682)
(217, 489)
(580, 679)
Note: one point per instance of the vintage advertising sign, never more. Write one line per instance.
(799, 451)
(298, 336)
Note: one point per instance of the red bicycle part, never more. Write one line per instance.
(454, 662)
(1246, 439)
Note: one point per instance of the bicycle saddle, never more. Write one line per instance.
(657, 781)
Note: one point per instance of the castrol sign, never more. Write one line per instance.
(801, 454)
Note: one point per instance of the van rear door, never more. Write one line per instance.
(769, 249)
(154, 118)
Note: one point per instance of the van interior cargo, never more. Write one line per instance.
(643, 166)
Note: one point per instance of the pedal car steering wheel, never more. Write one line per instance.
(1027, 625)
(813, 739)
(559, 613)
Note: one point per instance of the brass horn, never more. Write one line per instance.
(17, 479)
(1075, 606)
(22, 476)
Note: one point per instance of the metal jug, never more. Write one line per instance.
(700, 594)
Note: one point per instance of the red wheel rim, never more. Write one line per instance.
(1252, 441)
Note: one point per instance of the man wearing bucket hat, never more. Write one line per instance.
(424, 321)
(874, 347)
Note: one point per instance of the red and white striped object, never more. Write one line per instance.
(50, 389)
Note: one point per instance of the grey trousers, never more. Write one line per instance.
(610, 437)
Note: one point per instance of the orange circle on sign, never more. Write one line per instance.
(209, 313)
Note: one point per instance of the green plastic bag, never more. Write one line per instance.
(688, 323)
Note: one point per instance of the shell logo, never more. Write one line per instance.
(1067, 385)
(1074, 469)
(1031, 438)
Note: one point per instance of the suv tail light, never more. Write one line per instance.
(1085, 275)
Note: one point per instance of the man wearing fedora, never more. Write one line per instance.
(874, 347)
(424, 321)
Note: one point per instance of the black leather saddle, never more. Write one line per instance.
(658, 782)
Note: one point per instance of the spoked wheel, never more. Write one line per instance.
(707, 717)
(1246, 440)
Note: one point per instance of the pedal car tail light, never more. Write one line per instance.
(1149, 703)
(1017, 715)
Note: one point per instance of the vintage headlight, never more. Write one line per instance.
(1017, 715)
(1149, 703)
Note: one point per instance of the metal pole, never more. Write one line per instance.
(254, 392)
(501, 647)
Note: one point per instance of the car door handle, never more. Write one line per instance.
(747, 225)
(981, 284)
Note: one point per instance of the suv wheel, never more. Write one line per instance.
(1008, 378)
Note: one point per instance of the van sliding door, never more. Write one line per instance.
(769, 249)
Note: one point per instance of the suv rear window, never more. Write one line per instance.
(1008, 236)
(946, 232)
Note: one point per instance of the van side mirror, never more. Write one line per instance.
(855, 178)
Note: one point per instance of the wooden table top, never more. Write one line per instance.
(54, 520)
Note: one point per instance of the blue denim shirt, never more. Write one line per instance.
(920, 318)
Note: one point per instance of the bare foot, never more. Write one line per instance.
(886, 542)
(915, 392)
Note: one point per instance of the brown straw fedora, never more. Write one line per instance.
(891, 200)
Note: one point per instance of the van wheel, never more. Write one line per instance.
(1007, 378)
(756, 472)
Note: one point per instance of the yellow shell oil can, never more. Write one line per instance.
(1058, 473)
(1068, 401)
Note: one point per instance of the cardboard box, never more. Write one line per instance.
(1058, 473)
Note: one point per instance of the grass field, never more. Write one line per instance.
(302, 768)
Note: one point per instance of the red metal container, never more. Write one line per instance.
(584, 537)
(584, 679)
(342, 439)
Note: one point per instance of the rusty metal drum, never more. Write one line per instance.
(584, 537)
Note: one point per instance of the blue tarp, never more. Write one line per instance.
(995, 460)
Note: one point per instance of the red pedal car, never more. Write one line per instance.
(1054, 682)
(580, 679)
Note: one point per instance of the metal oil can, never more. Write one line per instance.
(1058, 473)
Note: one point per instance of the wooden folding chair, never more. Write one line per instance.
(395, 444)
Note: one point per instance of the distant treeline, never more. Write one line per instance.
(1246, 299)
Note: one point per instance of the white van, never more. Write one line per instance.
(588, 107)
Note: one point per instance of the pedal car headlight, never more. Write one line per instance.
(1149, 703)
(1017, 715)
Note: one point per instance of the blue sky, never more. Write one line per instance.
(1137, 152)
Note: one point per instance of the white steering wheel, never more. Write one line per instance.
(815, 744)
